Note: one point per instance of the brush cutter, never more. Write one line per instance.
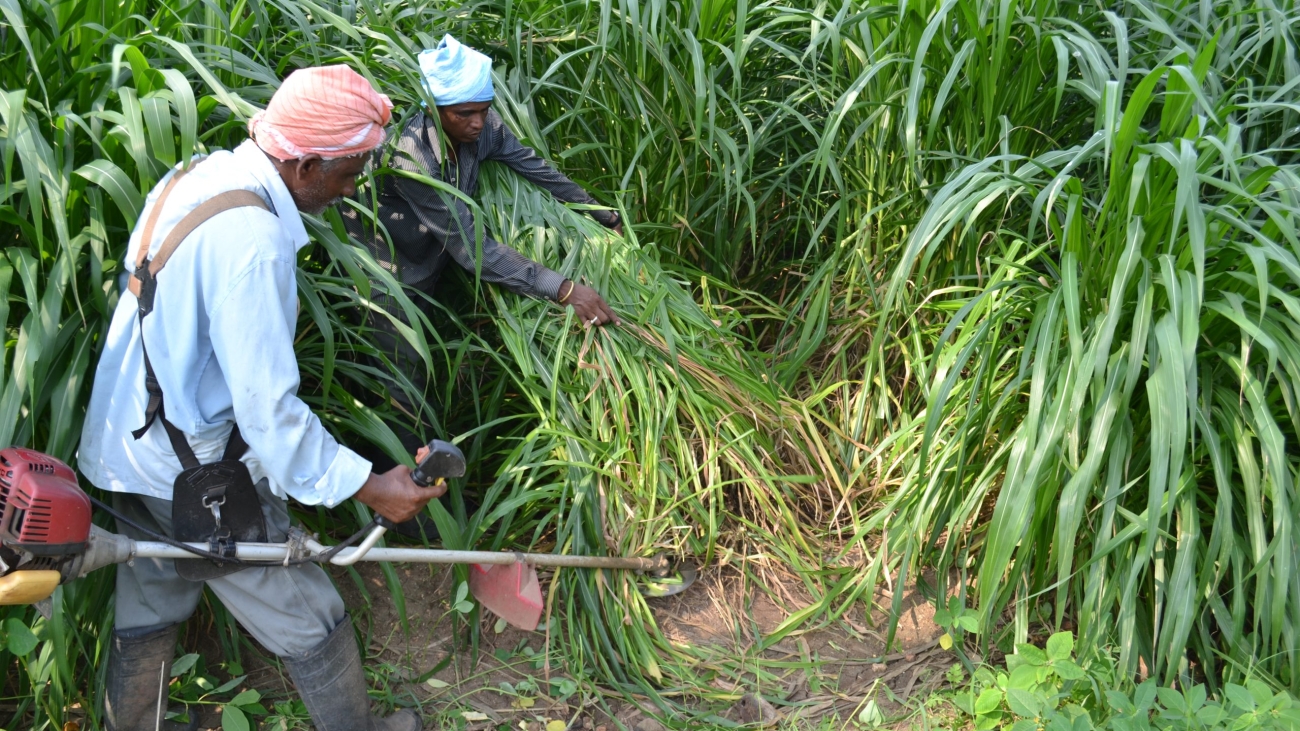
(47, 538)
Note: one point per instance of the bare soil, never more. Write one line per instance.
(816, 677)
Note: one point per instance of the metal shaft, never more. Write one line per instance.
(106, 548)
(278, 552)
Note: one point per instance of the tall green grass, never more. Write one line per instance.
(1116, 380)
(90, 124)
(1006, 289)
(668, 451)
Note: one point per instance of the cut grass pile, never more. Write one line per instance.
(1006, 289)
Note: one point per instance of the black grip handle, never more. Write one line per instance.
(444, 460)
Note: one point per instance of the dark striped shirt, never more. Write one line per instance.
(428, 226)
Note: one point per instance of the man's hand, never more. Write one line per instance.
(395, 496)
(590, 308)
(618, 223)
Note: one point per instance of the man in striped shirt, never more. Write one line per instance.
(429, 227)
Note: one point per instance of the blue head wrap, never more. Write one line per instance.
(455, 73)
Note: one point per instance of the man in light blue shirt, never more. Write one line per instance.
(220, 343)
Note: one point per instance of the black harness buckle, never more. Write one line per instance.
(148, 286)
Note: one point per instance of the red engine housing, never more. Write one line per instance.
(42, 509)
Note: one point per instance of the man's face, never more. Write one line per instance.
(317, 184)
(463, 123)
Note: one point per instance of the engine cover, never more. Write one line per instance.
(43, 511)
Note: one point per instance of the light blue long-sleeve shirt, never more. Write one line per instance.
(221, 343)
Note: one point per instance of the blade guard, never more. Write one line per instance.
(510, 591)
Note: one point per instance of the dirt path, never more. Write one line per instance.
(814, 679)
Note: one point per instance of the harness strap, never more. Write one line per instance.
(148, 269)
(153, 408)
(235, 445)
(143, 284)
(180, 444)
(146, 237)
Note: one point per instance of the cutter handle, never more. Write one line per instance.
(443, 460)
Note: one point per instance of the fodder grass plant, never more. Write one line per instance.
(1003, 289)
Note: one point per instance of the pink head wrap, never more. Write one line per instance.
(331, 111)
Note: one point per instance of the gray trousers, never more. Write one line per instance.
(289, 610)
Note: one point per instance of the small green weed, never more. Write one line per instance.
(193, 687)
(1045, 689)
(290, 715)
(956, 620)
(17, 637)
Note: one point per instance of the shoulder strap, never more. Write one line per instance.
(219, 203)
(146, 236)
(180, 445)
(235, 445)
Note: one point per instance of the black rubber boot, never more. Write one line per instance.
(139, 670)
(333, 687)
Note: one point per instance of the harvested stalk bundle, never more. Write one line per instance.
(643, 438)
